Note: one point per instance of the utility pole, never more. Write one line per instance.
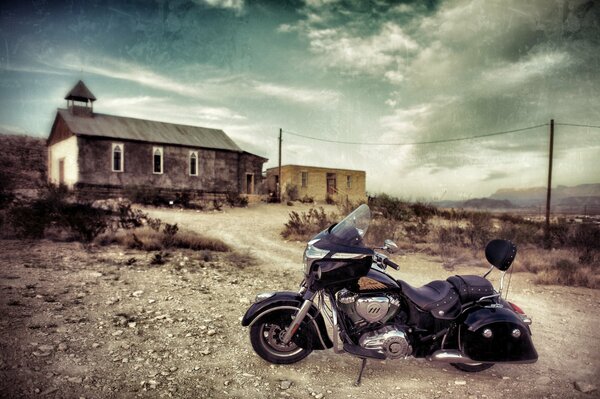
(279, 172)
(547, 232)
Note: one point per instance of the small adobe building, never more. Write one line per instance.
(101, 155)
(317, 183)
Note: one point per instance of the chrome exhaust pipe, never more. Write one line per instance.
(449, 356)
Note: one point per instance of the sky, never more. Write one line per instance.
(384, 75)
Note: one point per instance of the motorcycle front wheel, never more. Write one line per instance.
(266, 337)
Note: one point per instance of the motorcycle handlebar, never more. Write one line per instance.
(391, 264)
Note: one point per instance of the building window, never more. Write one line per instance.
(117, 157)
(157, 160)
(349, 181)
(193, 163)
(304, 179)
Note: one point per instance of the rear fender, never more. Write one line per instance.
(288, 301)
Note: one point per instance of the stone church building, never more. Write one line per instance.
(101, 155)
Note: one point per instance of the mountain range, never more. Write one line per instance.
(584, 198)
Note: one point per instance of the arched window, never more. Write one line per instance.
(117, 157)
(157, 160)
(193, 163)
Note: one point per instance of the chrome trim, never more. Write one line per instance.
(488, 272)
(291, 330)
(291, 308)
(449, 356)
(344, 255)
(312, 254)
(502, 282)
(525, 319)
(262, 296)
(483, 298)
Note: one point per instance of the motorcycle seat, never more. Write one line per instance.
(435, 296)
(471, 288)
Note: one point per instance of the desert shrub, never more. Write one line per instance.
(29, 221)
(301, 226)
(307, 200)
(417, 231)
(558, 234)
(585, 238)
(291, 192)
(380, 230)
(6, 188)
(451, 236)
(479, 230)
(566, 272)
(197, 242)
(84, 220)
(217, 204)
(169, 232)
(391, 207)
(146, 195)
(520, 232)
(183, 199)
(423, 211)
(147, 239)
(236, 200)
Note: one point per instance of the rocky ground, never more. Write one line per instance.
(108, 323)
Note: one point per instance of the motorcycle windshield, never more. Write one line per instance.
(353, 228)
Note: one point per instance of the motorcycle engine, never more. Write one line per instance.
(365, 309)
(370, 311)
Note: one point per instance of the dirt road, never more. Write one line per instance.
(109, 324)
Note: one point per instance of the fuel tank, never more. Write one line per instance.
(377, 280)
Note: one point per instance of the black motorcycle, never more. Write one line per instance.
(462, 321)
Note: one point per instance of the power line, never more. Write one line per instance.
(419, 142)
(577, 125)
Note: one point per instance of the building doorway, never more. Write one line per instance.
(61, 171)
(331, 184)
(249, 183)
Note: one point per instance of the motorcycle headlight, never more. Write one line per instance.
(312, 254)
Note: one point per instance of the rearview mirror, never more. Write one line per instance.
(390, 246)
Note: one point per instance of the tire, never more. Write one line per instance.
(266, 335)
(472, 367)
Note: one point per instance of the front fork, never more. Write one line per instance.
(308, 297)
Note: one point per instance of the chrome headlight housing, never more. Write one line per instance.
(312, 254)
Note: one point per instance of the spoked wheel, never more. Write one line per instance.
(472, 367)
(267, 340)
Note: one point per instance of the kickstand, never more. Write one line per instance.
(360, 372)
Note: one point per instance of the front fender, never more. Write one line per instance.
(288, 300)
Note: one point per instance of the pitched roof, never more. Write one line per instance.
(80, 92)
(125, 128)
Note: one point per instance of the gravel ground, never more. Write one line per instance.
(107, 323)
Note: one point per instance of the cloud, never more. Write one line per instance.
(237, 5)
(340, 49)
(535, 65)
(297, 94)
(168, 110)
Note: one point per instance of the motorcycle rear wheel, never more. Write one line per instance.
(266, 338)
(472, 367)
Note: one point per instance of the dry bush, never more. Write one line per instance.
(302, 226)
(147, 239)
(565, 272)
(379, 230)
(391, 207)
